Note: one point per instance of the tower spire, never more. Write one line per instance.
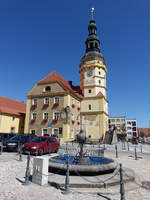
(92, 13)
(92, 41)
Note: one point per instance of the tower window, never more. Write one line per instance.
(90, 91)
(91, 45)
(96, 45)
(99, 72)
(90, 107)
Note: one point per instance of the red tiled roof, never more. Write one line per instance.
(54, 77)
(146, 131)
(12, 107)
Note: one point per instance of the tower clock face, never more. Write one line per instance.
(89, 73)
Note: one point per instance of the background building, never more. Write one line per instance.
(119, 122)
(144, 132)
(12, 116)
(131, 128)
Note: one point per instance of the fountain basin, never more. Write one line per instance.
(96, 165)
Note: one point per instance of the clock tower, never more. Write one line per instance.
(94, 106)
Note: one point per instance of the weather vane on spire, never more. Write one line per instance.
(92, 12)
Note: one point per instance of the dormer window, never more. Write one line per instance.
(47, 89)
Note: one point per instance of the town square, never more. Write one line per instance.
(74, 114)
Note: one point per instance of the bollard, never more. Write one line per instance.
(99, 152)
(18, 147)
(27, 174)
(141, 148)
(1, 148)
(20, 152)
(128, 146)
(67, 189)
(122, 190)
(104, 146)
(116, 150)
(135, 153)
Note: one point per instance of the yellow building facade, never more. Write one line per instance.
(12, 116)
(94, 105)
(64, 126)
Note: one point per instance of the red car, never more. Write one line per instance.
(42, 145)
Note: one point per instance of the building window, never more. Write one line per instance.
(33, 116)
(46, 100)
(99, 72)
(56, 100)
(56, 132)
(45, 131)
(99, 81)
(90, 91)
(56, 115)
(34, 102)
(60, 131)
(12, 130)
(13, 118)
(90, 107)
(47, 89)
(45, 116)
(32, 132)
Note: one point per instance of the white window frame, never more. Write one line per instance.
(43, 131)
(56, 99)
(34, 100)
(13, 118)
(55, 114)
(45, 115)
(32, 114)
(45, 99)
(12, 127)
(57, 130)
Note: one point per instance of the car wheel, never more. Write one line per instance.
(56, 150)
(41, 152)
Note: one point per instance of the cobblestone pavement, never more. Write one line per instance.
(12, 174)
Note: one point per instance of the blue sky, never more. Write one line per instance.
(38, 37)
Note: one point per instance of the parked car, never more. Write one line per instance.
(4, 137)
(42, 145)
(13, 143)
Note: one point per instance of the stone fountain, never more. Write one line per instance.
(81, 161)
